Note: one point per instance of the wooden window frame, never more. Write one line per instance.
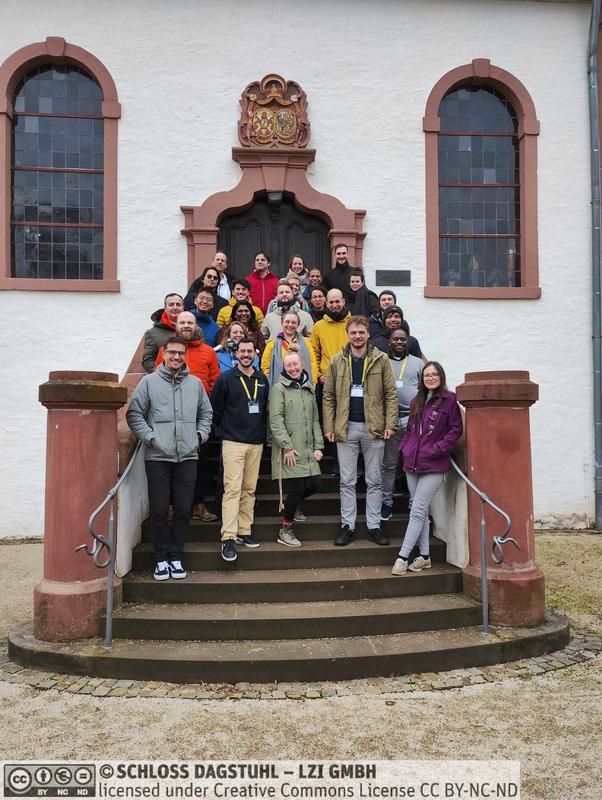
(481, 71)
(56, 50)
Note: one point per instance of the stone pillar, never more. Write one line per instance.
(81, 467)
(498, 456)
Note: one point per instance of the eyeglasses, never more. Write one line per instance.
(174, 353)
(211, 277)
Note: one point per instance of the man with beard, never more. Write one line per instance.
(263, 282)
(329, 335)
(164, 325)
(407, 370)
(239, 400)
(338, 276)
(171, 414)
(392, 319)
(272, 324)
(202, 362)
(386, 299)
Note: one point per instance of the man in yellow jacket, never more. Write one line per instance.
(240, 291)
(329, 335)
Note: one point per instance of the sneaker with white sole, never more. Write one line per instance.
(176, 570)
(247, 541)
(399, 567)
(420, 563)
(300, 516)
(286, 536)
(229, 550)
(161, 572)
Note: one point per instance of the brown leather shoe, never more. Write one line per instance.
(200, 511)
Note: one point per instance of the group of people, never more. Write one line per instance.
(309, 362)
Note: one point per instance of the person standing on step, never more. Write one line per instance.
(285, 301)
(363, 302)
(220, 261)
(164, 326)
(241, 289)
(393, 319)
(263, 282)
(297, 441)
(360, 413)
(338, 276)
(203, 313)
(239, 400)
(407, 370)
(289, 337)
(434, 427)
(171, 414)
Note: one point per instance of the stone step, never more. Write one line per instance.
(290, 586)
(265, 528)
(290, 659)
(271, 555)
(207, 622)
(266, 505)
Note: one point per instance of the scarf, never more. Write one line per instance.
(276, 360)
(337, 316)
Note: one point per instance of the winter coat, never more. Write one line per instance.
(263, 289)
(155, 338)
(172, 410)
(266, 359)
(363, 302)
(218, 301)
(338, 278)
(226, 360)
(208, 325)
(327, 338)
(377, 326)
(380, 395)
(201, 362)
(295, 426)
(429, 441)
(272, 324)
(225, 314)
(382, 342)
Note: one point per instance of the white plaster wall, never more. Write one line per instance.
(367, 67)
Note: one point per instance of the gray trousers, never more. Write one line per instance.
(348, 452)
(390, 460)
(422, 488)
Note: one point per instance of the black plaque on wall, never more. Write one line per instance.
(393, 277)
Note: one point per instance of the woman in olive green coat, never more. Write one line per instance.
(296, 440)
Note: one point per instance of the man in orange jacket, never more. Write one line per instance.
(202, 362)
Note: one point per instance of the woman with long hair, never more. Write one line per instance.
(243, 311)
(434, 427)
(289, 338)
(229, 337)
(297, 266)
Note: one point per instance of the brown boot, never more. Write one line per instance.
(200, 511)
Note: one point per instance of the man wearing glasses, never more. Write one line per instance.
(171, 414)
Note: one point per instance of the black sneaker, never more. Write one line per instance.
(161, 572)
(386, 512)
(377, 536)
(229, 550)
(176, 570)
(345, 537)
(248, 541)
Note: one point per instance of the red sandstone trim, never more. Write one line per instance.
(55, 49)
(482, 71)
(282, 170)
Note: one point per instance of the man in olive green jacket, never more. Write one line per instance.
(360, 411)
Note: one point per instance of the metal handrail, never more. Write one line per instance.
(103, 543)
(497, 543)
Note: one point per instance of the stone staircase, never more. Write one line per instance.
(314, 613)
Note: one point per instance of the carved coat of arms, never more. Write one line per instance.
(274, 113)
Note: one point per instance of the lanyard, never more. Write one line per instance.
(363, 371)
(244, 386)
(403, 369)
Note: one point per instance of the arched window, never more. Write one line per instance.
(61, 223)
(481, 186)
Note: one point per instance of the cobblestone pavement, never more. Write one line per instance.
(583, 646)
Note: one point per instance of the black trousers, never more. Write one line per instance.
(200, 489)
(297, 489)
(170, 481)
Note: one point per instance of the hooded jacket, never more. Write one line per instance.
(380, 395)
(429, 441)
(201, 361)
(272, 324)
(170, 412)
(263, 289)
(155, 338)
(327, 338)
(295, 426)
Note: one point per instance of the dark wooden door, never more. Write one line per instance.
(273, 224)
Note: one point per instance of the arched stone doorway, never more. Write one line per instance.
(274, 224)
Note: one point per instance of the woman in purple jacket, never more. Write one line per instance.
(434, 427)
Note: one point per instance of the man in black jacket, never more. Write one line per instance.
(338, 276)
(239, 399)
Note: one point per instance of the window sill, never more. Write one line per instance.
(484, 292)
(59, 285)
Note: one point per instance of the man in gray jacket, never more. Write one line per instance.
(171, 413)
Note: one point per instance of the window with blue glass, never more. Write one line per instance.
(57, 175)
(479, 187)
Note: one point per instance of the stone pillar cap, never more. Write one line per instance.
(83, 390)
(498, 388)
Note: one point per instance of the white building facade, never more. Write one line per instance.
(178, 69)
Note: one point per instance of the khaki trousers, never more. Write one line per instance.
(241, 470)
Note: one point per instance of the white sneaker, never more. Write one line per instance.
(399, 567)
(161, 572)
(420, 563)
(176, 570)
(287, 537)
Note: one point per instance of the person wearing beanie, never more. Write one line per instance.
(392, 319)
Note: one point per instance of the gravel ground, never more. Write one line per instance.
(552, 723)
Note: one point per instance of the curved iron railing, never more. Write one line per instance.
(497, 543)
(107, 543)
